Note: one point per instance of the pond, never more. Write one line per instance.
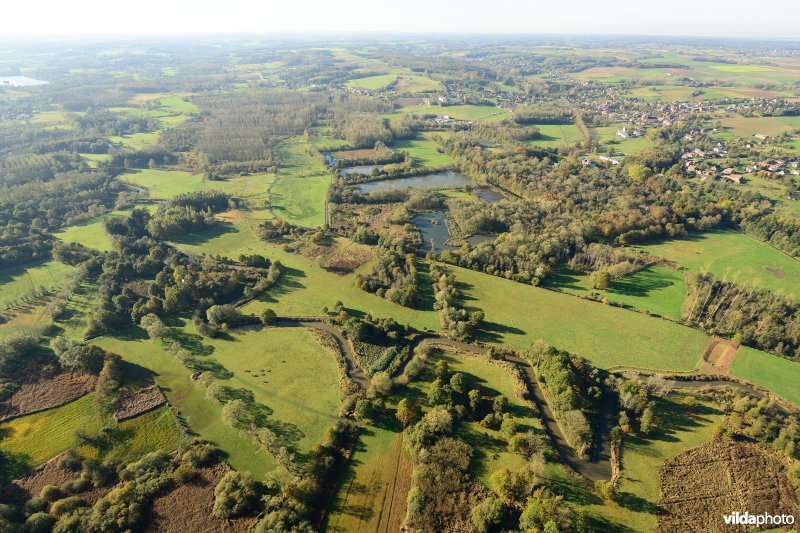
(432, 228)
(330, 160)
(490, 195)
(365, 170)
(446, 178)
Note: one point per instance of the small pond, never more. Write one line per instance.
(365, 170)
(432, 227)
(489, 195)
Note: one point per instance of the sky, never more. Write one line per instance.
(718, 18)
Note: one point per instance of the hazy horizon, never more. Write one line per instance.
(771, 19)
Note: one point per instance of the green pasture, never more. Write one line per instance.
(164, 184)
(424, 150)
(733, 256)
(18, 280)
(769, 371)
(656, 289)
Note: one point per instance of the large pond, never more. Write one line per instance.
(446, 178)
(434, 233)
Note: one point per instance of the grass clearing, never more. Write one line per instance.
(772, 372)
(91, 233)
(656, 289)
(136, 141)
(301, 187)
(557, 135)
(607, 136)
(424, 150)
(733, 256)
(285, 369)
(164, 184)
(19, 280)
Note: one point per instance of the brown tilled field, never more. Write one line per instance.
(134, 403)
(188, 508)
(46, 394)
(701, 485)
(718, 356)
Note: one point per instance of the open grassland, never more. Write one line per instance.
(176, 104)
(284, 369)
(301, 188)
(733, 256)
(772, 372)
(749, 126)
(91, 233)
(557, 135)
(19, 280)
(657, 289)
(31, 440)
(679, 429)
(136, 141)
(201, 414)
(461, 112)
(156, 430)
(164, 184)
(372, 492)
(607, 336)
(424, 150)
(607, 136)
(301, 200)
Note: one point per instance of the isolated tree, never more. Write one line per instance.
(408, 412)
(268, 317)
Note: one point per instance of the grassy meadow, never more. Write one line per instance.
(284, 369)
(656, 289)
(301, 187)
(733, 256)
(772, 372)
(18, 280)
(164, 184)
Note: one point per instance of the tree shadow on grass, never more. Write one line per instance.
(646, 282)
(136, 374)
(192, 342)
(203, 237)
(289, 282)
